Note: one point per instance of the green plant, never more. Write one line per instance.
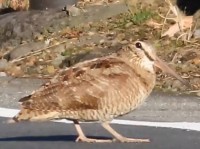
(141, 16)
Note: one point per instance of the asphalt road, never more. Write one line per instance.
(50, 135)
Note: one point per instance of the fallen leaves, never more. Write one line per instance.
(14, 70)
(183, 24)
(51, 69)
(69, 33)
(152, 23)
(196, 61)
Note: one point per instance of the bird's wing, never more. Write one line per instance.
(79, 87)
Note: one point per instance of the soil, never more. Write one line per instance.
(39, 43)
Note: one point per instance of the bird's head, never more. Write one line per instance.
(144, 55)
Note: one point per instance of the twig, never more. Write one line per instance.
(181, 36)
(35, 77)
(163, 17)
(36, 52)
(174, 57)
(197, 44)
(194, 91)
(171, 6)
(164, 22)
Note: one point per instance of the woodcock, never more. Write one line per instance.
(97, 90)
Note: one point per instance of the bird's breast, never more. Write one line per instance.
(129, 96)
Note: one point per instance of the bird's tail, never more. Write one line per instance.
(34, 115)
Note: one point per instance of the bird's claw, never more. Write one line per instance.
(90, 140)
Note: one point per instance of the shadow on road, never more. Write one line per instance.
(70, 138)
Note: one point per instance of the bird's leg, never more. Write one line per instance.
(121, 138)
(83, 138)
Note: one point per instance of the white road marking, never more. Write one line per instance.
(8, 113)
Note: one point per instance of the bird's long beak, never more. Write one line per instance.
(164, 67)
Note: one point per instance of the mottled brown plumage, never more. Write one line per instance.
(97, 90)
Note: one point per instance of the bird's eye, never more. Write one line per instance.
(138, 45)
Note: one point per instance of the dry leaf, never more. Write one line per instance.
(15, 71)
(50, 69)
(171, 31)
(70, 34)
(196, 61)
(184, 23)
(31, 61)
(154, 24)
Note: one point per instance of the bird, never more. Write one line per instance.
(98, 90)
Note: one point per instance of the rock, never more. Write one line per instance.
(26, 25)
(3, 64)
(178, 85)
(197, 33)
(72, 10)
(3, 74)
(198, 93)
(50, 4)
(58, 60)
(128, 24)
(25, 49)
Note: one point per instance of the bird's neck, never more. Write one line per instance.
(135, 61)
(142, 67)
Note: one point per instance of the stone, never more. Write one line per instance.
(3, 63)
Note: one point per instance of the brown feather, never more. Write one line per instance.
(91, 90)
(97, 90)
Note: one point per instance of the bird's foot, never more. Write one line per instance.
(128, 140)
(90, 140)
